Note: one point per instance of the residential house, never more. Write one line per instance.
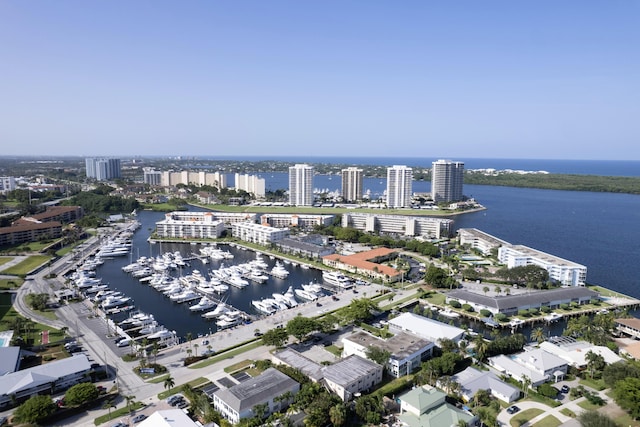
(426, 406)
(471, 380)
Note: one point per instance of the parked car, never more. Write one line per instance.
(512, 409)
(173, 400)
(138, 418)
(119, 424)
(565, 389)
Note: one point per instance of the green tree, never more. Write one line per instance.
(301, 326)
(35, 409)
(276, 337)
(108, 404)
(338, 414)
(627, 395)
(81, 393)
(378, 355)
(538, 335)
(359, 310)
(595, 363)
(169, 382)
(129, 399)
(369, 408)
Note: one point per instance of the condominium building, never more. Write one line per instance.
(352, 184)
(213, 179)
(103, 169)
(301, 185)
(399, 186)
(479, 240)
(252, 184)
(561, 270)
(446, 181)
(7, 183)
(195, 225)
(399, 224)
(301, 221)
(152, 176)
(257, 233)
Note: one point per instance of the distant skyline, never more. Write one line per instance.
(468, 79)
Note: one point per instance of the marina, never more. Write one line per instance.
(170, 281)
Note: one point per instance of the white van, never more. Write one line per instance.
(123, 343)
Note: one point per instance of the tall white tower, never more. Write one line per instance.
(352, 184)
(399, 186)
(301, 185)
(446, 181)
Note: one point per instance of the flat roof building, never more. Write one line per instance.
(561, 270)
(404, 225)
(424, 327)
(352, 375)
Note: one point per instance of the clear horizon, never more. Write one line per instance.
(545, 80)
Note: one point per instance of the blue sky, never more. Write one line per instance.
(486, 79)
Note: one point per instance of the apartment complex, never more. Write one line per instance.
(301, 185)
(7, 183)
(190, 225)
(399, 186)
(446, 181)
(103, 169)
(252, 184)
(352, 188)
(258, 233)
(173, 178)
(151, 176)
(399, 224)
(300, 221)
(561, 270)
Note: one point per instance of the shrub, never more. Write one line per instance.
(548, 390)
(455, 304)
(467, 307)
(533, 311)
(485, 313)
(501, 317)
(564, 306)
(545, 309)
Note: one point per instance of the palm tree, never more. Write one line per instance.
(260, 410)
(129, 399)
(538, 335)
(338, 414)
(195, 346)
(526, 382)
(169, 382)
(497, 290)
(189, 337)
(155, 350)
(108, 404)
(481, 346)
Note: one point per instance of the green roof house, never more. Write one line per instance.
(426, 407)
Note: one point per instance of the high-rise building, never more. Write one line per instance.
(352, 184)
(7, 183)
(399, 186)
(446, 181)
(251, 184)
(102, 169)
(301, 185)
(152, 176)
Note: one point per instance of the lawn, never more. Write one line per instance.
(524, 416)
(5, 259)
(226, 355)
(28, 265)
(11, 283)
(8, 316)
(117, 413)
(334, 350)
(239, 366)
(177, 389)
(436, 298)
(594, 384)
(548, 421)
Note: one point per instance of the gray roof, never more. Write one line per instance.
(292, 358)
(43, 374)
(349, 370)
(260, 389)
(9, 359)
(530, 298)
(471, 380)
(401, 345)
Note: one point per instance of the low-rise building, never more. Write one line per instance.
(237, 402)
(27, 231)
(352, 375)
(471, 380)
(404, 225)
(300, 221)
(568, 273)
(535, 364)
(257, 233)
(294, 359)
(49, 378)
(630, 326)
(424, 327)
(479, 240)
(367, 263)
(407, 351)
(511, 304)
(169, 418)
(305, 247)
(575, 352)
(190, 225)
(426, 406)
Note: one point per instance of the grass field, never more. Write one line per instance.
(548, 421)
(5, 259)
(8, 316)
(524, 416)
(28, 265)
(11, 283)
(226, 355)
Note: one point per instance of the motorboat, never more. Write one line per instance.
(449, 314)
(237, 281)
(204, 304)
(279, 271)
(552, 317)
(185, 296)
(229, 320)
(336, 278)
(263, 307)
(221, 309)
(305, 295)
(290, 297)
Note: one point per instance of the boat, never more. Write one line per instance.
(185, 296)
(336, 278)
(234, 279)
(279, 271)
(257, 276)
(552, 317)
(221, 309)
(290, 297)
(229, 320)
(263, 307)
(161, 334)
(448, 313)
(516, 322)
(305, 295)
(115, 302)
(204, 304)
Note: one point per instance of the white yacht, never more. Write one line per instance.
(204, 304)
(279, 271)
(263, 307)
(236, 280)
(552, 317)
(337, 279)
(221, 309)
(305, 295)
(185, 296)
(229, 320)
